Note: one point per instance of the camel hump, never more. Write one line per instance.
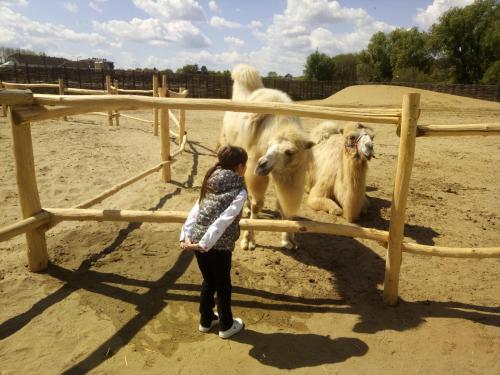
(269, 95)
(247, 78)
(324, 131)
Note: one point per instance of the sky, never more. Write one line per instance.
(273, 35)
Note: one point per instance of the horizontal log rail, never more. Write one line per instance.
(107, 193)
(136, 118)
(74, 214)
(73, 105)
(16, 97)
(299, 226)
(13, 85)
(451, 252)
(458, 130)
(25, 225)
(85, 91)
(133, 91)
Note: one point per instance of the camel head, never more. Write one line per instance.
(286, 151)
(358, 140)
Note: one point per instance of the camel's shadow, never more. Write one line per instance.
(358, 274)
(374, 219)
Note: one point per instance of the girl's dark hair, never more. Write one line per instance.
(229, 158)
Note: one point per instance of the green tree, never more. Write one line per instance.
(189, 69)
(345, 67)
(319, 67)
(375, 60)
(408, 49)
(468, 39)
(204, 69)
(492, 75)
(272, 75)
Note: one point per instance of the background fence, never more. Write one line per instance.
(210, 86)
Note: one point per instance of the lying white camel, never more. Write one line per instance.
(336, 178)
(277, 146)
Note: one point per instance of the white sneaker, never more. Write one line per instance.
(213, 323)
(237, 326)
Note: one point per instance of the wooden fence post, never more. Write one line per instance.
(108, 89)
(182, 123)
(117, 113)
(165, 133)
(155, 110)
(28, 192)
(409, 116)
(61, 92)
(27, 69)
(4, 106)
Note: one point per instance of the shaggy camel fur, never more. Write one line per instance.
(277, 146)
(337, 173)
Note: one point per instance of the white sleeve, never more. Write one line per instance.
(220, 225)
(188, 225)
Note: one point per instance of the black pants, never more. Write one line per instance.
(215, 266)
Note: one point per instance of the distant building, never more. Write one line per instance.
(49, 61)
(93, 64)
(35, 60)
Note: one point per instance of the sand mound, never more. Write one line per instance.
(391, 96)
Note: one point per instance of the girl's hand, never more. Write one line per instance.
(185, 243)
(193, 247)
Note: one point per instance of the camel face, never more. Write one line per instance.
(283, 155)
(358, 141)
(365, 146)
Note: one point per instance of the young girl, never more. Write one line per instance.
(211, 230)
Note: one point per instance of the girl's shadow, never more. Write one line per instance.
(291, 351)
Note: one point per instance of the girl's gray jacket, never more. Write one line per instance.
(215, 223)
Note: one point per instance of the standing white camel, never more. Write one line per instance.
(277, 146)
(336, 178)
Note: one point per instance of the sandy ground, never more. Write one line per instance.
(122, 299)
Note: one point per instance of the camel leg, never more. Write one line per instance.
(366, 204)
(287, 239)
(257, 186)
(319, 202)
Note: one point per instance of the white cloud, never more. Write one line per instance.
(70, 7)
(221, 22)
(189, 10)
(307, 25)
(155, 32)
(235, 42)
(212, 5)
(256, 24)
(21, 31)
(95, 6)
(18, 3)
(426, 17)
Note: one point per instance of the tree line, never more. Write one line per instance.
(462, 47)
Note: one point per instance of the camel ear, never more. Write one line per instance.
(306, 145)
(254, 122)
(309, 144)
(255, 119)
(363, 126)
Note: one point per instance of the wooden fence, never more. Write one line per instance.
(25, 108)
(211, 86)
